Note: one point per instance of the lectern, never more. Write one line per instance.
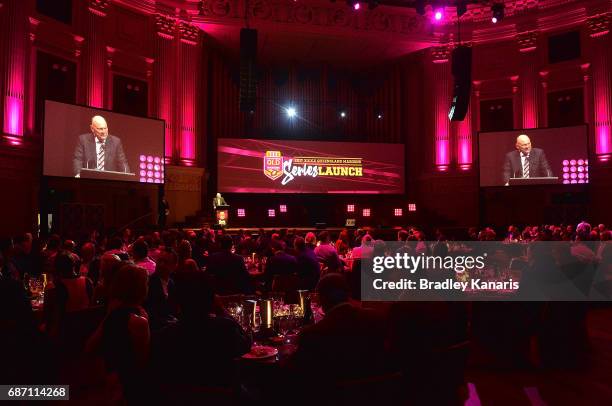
(108, 175)
(222, 215)
(549, 180)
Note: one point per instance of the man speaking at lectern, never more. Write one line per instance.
(99, 150)
(525, 162)
(218, 200)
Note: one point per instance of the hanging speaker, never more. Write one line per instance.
(462, 79)
(248, 68)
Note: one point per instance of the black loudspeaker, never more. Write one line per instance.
(248, 67)
(462, 77)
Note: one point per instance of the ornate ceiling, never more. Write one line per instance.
(315, 31)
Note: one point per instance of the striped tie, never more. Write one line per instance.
(100, 165)
(526, 167)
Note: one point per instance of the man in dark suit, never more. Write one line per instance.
(99, 150)
(229, 271)
(280, 263)
(308, 267)
(525, 162)
(218, 200)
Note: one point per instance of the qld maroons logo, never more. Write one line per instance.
(273, 164)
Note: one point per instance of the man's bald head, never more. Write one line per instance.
(523, 144)
(99, 128)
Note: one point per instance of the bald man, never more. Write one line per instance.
(525, 162)
(99, 150)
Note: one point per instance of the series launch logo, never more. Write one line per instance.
(276, 166)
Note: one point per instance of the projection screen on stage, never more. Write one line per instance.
(275, 166)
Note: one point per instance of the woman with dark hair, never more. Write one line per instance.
(123, 338)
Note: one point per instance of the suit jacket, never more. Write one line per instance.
(538, 165)
(85, 155)
(230, 273)
(219, 202)
(280, 263)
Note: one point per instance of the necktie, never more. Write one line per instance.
(526, 167)
(100, 165)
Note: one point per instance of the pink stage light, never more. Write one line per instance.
(398, 212)
(572, 169)
(565, 169)
(366, 212)
(143, 158)
(143, 166)
(356, 6)
(439, 14)
(566, 176)
(241, 213)
(143, 180)
(573, 162)
(271, 213)
(143, 173)
(150, 174)
(566, 182)
(566, 162)
(149, 158)
(282, 208)
(149, 166)
(581, 176)
(411, 206)
(350, 208)
(574, 176)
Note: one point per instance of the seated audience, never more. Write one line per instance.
(140, 254)
(327, 254)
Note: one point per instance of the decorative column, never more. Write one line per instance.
(516, 103)
(189, 54)
(464, 142)
(163, 73)
(15, 35)
(94, 58)
(475, 105)
(585, 68)
(108, 99)
(599, 30)
(527, 42)
(441, 99)
(31, 110)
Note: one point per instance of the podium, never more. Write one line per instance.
(549, 180)
(222, 215)
(107, 175)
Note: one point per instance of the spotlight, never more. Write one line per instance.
(439, 14)
(291, 112)
(379, 116)
(498, 12)
(354, 4)
(342, 114)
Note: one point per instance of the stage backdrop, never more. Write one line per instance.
(566, 149)
(142, 140)
(275, 166)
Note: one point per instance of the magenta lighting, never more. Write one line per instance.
(291, 112)
(356, 6)
(439, 14)
(350, 208)
(151, 169)
(365, 213)
(575, 171)
(282, 208)
(398, 212)
(411, 206)
(271, 213)
(241, 213)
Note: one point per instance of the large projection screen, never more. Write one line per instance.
(565, 149)
(274, 166)
(133, 148)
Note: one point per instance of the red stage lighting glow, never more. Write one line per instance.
(271, 213)
(366, 212)
(350, 208)
(398, 212)
(241, 213)
(282, 208)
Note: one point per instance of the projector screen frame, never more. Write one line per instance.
(42, 149)
(519, 131)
